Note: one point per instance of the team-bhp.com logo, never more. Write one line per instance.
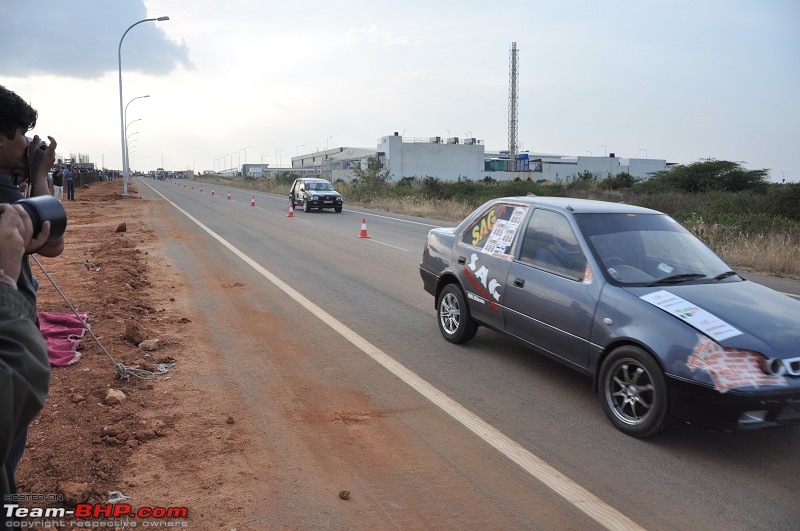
(84, 512)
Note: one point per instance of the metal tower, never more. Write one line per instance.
(513, 91)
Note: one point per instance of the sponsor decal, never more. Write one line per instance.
(698, 318)
(479, 278)
(494, 232)
(730, 368)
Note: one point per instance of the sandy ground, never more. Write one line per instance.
(82, 445)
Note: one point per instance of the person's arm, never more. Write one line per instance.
(24, 367)
(41, 162)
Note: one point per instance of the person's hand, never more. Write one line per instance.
(36, 244)
(40, 163)
(15, 224)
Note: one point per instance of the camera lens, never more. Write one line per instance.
(45, 208)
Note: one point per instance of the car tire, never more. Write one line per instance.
(338, 209)
(453, 315)
(306, 208)
(633, 392)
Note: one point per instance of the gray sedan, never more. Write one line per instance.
(629, 297)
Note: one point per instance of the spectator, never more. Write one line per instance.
(17, 157)
(58, 184)
(68, 176)
(24, 367)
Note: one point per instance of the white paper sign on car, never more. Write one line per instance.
(709, 324)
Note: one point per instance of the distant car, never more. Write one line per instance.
(314, 193)
(629, 297)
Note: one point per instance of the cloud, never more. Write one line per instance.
(80, 39)
(372, 37)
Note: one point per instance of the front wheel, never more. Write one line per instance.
(455, 322)
(306, 208)
(338, 209)
(633, 392)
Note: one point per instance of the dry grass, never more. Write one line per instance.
(773, 253)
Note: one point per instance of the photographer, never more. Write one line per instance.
(24, 368)
(32, 163)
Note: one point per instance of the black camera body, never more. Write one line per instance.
(45, 208)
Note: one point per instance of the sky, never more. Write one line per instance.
(260, 81)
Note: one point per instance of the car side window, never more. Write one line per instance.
(495, 230)
(550, 243)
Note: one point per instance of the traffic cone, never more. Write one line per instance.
(363, 233)
(291, 211)
(229, 195)
(212, 191)
(192, 187)
(253, 201)
(201, 189)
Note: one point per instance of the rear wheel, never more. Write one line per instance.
(455, 322)
(633, 392)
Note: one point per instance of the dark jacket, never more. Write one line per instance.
(24, 374)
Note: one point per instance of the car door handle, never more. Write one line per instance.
(462, 260)
(519, 282)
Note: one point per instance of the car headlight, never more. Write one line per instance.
(774, 366)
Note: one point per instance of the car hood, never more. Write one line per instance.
(769, 321)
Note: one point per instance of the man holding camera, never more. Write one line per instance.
(31, 162)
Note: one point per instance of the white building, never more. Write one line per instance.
(452, 158)
(446, 159)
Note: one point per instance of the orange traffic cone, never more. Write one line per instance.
(363, 233)
(291, 211)
(229, 195)
(253, 201)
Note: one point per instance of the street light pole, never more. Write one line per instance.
(121, 108)
(277, 160)
(645, 152)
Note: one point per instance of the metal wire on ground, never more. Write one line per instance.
(123, 371)
(89, 265)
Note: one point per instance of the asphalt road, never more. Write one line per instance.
(537, 422)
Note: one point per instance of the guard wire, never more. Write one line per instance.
(123, 371)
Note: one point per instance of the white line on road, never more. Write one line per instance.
(571, 491)
(389, 245)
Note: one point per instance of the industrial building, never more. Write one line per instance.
(450, 159)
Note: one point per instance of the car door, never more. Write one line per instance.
(550, 295)
(483, 256)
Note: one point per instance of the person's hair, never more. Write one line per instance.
(15, 113)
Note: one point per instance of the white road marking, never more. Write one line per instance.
(571, 491)
(389, 245)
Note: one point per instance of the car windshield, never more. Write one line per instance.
(650, 250)
(320, 187)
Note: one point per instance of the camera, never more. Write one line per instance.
(42, 146)
(45, 208)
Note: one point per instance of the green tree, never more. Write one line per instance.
(713, 175)
(369, 183)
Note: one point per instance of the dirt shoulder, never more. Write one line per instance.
(81, 445)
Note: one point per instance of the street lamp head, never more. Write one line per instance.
(162, 19)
